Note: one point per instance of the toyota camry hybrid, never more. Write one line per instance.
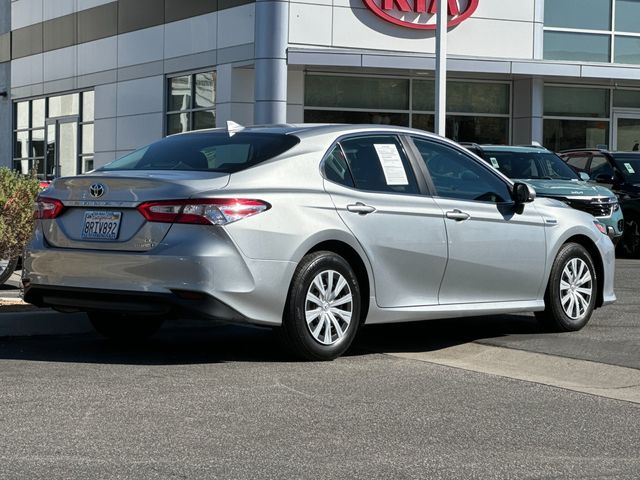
(313, 229)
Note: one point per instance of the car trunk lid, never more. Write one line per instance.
(100, 209)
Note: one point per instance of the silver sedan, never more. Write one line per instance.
(313, 229)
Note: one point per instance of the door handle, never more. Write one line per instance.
(458, 215)
(361, 208)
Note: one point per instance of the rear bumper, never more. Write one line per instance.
(139, 303)
(191, 259)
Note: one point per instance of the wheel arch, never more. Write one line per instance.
(591, 247)
(358, 264)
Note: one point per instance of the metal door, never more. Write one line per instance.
(626, 131)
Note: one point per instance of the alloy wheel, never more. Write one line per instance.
(328, 307)
(576, 288)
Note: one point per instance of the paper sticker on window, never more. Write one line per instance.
(391, 163)
(494, 162)
(629, 168)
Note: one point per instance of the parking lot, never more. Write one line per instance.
(470, 398)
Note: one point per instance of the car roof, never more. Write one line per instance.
(512, 148)
(317, 129)
(600, 150)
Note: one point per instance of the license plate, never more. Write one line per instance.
(101, 225)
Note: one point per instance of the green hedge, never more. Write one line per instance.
(17, 196)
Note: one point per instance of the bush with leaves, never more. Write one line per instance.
(17, 195)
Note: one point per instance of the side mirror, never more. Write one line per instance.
(604, 178)
(523, 193)
(584, 176)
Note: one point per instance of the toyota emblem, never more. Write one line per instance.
(96, 190)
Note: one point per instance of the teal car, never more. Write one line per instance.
(551, 177)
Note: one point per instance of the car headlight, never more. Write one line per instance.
(613, 201)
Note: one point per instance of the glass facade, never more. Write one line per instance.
(576, 102)
(628, 49)
(53, 136)
(592, 117)
(477, 111)
(576, 117)
(592, 30)
(585, 14)
(191, 102)
(628, 16)
(576, 47)
(567, 134)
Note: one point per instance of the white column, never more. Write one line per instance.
(442, 18)
(528, 110)
(234, 95)
(271, 40)
(6, 108)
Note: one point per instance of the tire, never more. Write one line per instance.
(7, 267)
(630, 244)
(123, 328)
(568, 303)
(334, 316)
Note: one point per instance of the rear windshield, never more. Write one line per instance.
(630, 166)
(212, 152)
(530, 165)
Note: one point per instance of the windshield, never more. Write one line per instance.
(630, 166)
(530, 165)
(212, 152)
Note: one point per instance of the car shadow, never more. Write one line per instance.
(174, 344)
(206, 343)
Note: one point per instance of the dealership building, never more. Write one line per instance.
(83, 82)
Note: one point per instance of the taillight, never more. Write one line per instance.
(47, 208)
(206, 211)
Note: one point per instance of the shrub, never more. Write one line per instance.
(17, 195)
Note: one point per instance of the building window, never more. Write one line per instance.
(191, 102)
(577, 46)
(592, 30)
(53, 136)
(582, 14)
(626, 99)
(576, 117)
(628, 49)
(476, 111)
(627, 15)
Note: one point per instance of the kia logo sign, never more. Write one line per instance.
(419, 14)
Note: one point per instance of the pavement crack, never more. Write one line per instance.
(291, 389)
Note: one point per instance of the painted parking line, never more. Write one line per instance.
(583, 376)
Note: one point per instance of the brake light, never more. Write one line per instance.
(206, 211)
(47, 208)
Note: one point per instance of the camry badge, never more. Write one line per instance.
(96, 190)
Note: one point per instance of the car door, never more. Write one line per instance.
(497, 252)
(374, 188)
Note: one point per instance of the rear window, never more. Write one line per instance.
(530, 165)
(213, 152)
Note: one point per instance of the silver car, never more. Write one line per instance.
(314, 229)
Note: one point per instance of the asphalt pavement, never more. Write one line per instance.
(212, 401)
